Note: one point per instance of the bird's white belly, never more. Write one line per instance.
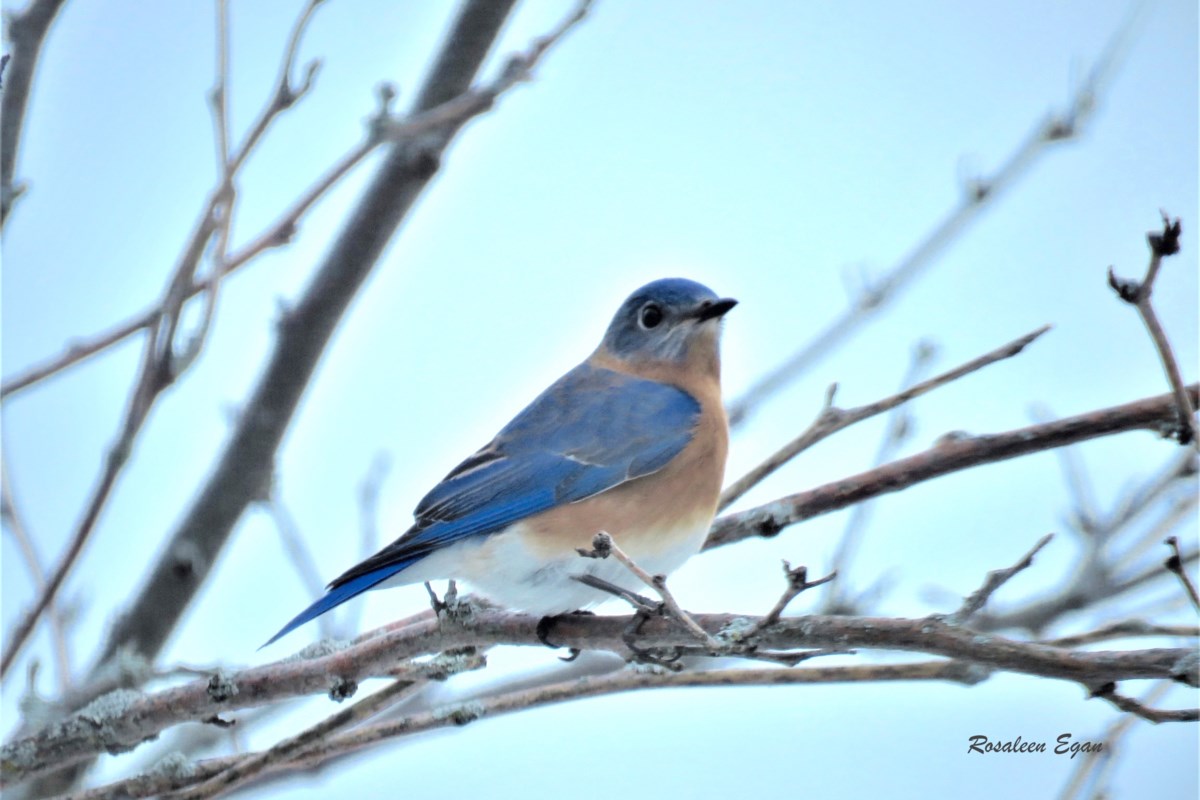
(505, 568)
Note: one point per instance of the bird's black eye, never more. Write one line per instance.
(651, 316)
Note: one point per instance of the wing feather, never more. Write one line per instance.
(592, 430)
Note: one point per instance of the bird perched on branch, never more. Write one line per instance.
(631, 442)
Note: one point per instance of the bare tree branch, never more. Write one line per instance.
(1131, 706)
(1057, 126)
(1174, 564)
(299, 555)
(833, 419)
(306, 741)
(15, 524)
(978, 599)
(839, 597)
(451, 113)
(242, 471)
(1162, 244)
(125, 718)
(27, 32)
(244, 468)
(1098, 568)
(275, 235)
(1188, 557)
(948, 456)
(797, 583)
(1096, 764)
(603, 546)
(1121, 630)
(180, 775)
(162, 361)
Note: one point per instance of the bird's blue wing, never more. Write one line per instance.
(592, 430)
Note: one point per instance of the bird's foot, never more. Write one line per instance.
(667, 658)
(545, 624)
(450, 605)
(644, 609)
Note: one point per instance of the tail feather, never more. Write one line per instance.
(338, 595)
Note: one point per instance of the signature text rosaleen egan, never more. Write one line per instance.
(1064, 745)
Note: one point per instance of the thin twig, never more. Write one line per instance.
(224, 199)
(1132, 706)
(603, 546)
(797, 582)
(1162, 244)
(1175, 564)
(1104, 757)
(451, 113)
(117, 456)
(897, 428)
(299, 555)
(80, 351)
(368, 523)
(244, 467)
(161, 363)
(1179, 509)
(1181, 466)
(1039, 614)
(1100, 559)
(1152, 573)
(296, 746)
(995, 579)
(286, 92)
(1056, 127)
(1079, 489)
(946, 457)
(832, 419)
(219, 96)
(15, 524)
(277, 234)
(1122, 630)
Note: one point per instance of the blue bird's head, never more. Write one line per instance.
(672, 321)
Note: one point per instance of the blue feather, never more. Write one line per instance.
(338, 595)
(592, 430)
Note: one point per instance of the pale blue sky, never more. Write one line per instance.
(768, 150)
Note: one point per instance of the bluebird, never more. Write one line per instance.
(631, 442)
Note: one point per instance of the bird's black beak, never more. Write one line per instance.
(714, 309)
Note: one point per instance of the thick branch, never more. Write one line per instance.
(161, 362)
(311, 738)
(948, 456)
(244, 468)
(120, 721)
(158, 781)
(27, 32)
(454, 111)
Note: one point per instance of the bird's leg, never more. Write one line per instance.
(640, 602)
(546, 623)
(603, 546)
(647, 655)
(644, 609)
(450, 606)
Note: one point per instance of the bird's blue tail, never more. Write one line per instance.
(338, 595)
